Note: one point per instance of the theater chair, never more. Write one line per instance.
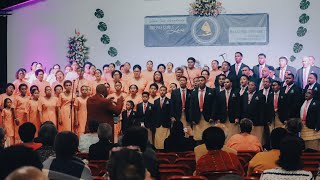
(95, 171)
(102, 164)
(185, 168)
(183, 154)
(166, 173)
(170, 156)
(163, 161)
(83, 155)
(191, 162)
(187, 178)
(213, 175)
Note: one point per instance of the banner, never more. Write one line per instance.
(223, 30)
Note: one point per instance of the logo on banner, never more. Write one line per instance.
(205, 30)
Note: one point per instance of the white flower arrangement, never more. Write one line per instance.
(206, 8)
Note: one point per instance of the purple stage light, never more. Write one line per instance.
(20, 5)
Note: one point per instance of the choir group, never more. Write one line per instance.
(199, 98)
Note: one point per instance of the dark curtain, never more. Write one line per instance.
(3, 53)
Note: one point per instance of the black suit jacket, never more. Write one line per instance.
(268, 109)
(299, 79)
(145, 118)
(292, 102)
(254, 109)
(128, 122)
(176, 104)
(100, 150)
(289, 68)
(256, 72)
(208, 104)
(313, 115)
(232, 76)
(220, 109)
(316, 89)
(236, 84)
(161, 116)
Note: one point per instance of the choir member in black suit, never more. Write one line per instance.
(272, 74)
(248, 72)
(265, 74)
(161, 118)
(302, 73)
(257, 69)
(229, 74)
(292, 98)
(252, 105)
(144, 115)
(244, 80)
(221, 78)
(227, 108)
(310, 117)
(128, 117)
(312, 84)
(236, 69)
(276, 106)
(201, 108)
(283, 68)
(180, 99)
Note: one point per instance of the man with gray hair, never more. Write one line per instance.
(100, 150)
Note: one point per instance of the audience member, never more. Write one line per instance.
(216, 159)
(26, 173)
(26, 132)
(245, 141)
(65, 162)
(138, 136)
(290, 163)
(86, 140)
(294, 127)
(267, 160)
(177, 142)
(2, 139)
(14, 157)
(46, 136)
(100, 150)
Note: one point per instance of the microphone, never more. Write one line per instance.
(222, 54)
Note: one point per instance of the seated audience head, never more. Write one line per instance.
(276, 137)
(104, 131)
(2, 138)
(213, 138)
(14, 157)
(47, 133)
(27, 132)
(294, 125)
(136, 136)
(290, 154)
(66, 145)
(177, 129)
(126, 164)
(246, 125)
(26, 172)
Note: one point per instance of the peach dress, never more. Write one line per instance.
(17, 83)
(80, 105)
(152, 99)
(94, 85)
(136, 100)
(125, 87)
(159, 85)
(41, 85)
(48, 108)
(54, 84)
(33, 110)
(21, 103)
(8, 122)
(64, 105)
(147, 75)
(141, 83)
(191, 74)
(167, 77)
(82, 82)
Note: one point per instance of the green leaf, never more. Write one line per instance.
(112, 52)
(99, 13)
(304, 18)
(102, 26)
(304, 4)
(297, 47)
(105, 39)
(301, 31)
(292, 58)
(118, 63)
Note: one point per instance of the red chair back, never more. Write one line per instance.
(163, 161)
(170, 156)
(187, 178)
(186, 169)
(102, 164)
(166, 173)
(191, 162)
(214, 175)
(183, 154)
(95, 171)
(83, 155)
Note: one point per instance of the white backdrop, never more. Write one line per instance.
(40, 32)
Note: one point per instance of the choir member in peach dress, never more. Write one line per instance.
(206, 74)
(21, 103)
(178, 73)
(112, 67)
(172, 87)
(191, 72)
(40, 66)
(30, 76)
(59, 79)
(52, 76)
(153, 91)
(106, 72)
(40, 82)
(126, 74)
(33, 109)
(80, 107)
(65, 120)
(148, 73)
(169, 74)
(162, 68)
(91, 77)
(8, 94)
(97, 81)
(8, 122)
(158, 79)
(58, 89)
(20, 79)
(133, 96)
(116, 95)
(81, 81)
(116, 77)
(215, 70)
(137, 80)
(87, 68)
(72, 75)
(48, 107)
